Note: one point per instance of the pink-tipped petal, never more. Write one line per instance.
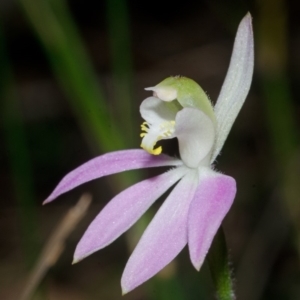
(213, 199)
(164, 237)
(123, 211)
(110, 163)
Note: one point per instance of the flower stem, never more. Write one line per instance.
(219, 267)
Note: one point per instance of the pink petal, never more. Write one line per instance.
(123, 211)
(213, 199)
(164, 238)
(110, 163)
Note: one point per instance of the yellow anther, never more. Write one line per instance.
(156, 151)
(142, 134)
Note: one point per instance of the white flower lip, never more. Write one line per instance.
(160, 123)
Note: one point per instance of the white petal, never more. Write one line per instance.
(196, 134)
(237, 83)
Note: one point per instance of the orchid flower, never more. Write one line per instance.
(201, 197)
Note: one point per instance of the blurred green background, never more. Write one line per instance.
(72, 78)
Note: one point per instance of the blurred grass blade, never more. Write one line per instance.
(119, 37)
(57, 32)
(19, 159)
(55, 245)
